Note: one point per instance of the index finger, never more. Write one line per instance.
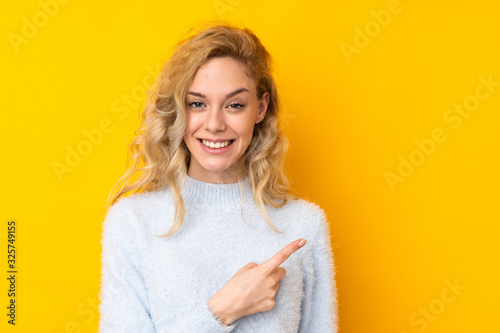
(283, 255)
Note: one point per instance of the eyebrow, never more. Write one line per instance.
(231, 94)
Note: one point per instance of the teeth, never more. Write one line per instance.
(216, 145)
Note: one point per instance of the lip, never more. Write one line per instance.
(214, 140)
(216, 150)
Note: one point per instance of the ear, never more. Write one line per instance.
(263, 104)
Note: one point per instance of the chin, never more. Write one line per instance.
(215, 168)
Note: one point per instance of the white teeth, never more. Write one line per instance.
(216, 145)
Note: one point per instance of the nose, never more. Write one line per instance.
(214, 121)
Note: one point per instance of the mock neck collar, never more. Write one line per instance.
(217, 196)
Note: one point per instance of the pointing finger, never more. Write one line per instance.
(283, 255)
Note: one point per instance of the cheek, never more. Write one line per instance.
(192, 124)
(246, 133)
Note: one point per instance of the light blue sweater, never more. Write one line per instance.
(153, 284)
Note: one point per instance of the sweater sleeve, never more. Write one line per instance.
(319, 310)
(124, 305)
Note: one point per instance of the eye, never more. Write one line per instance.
(196, 105)
(236, 106)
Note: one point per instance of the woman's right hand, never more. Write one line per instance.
(252, 288)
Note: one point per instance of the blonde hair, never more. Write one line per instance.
(160, 156)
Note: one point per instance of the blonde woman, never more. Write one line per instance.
(208, 239)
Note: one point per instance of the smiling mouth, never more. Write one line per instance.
(216, 145)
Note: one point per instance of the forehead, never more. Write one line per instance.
(222, 75)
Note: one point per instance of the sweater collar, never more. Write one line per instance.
(219, 196)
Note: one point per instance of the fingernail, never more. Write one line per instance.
(302, 242)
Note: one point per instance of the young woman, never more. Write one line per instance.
(208, 241)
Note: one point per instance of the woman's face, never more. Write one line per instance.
(223, 109)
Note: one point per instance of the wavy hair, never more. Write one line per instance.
(158, 152)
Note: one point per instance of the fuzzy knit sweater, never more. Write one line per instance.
(155, 284)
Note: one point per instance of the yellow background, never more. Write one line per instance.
(351, 116)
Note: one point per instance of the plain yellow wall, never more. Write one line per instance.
(391, 108)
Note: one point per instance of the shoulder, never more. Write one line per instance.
(303, 208)
(128, 211)
(136, 202)
(132, 204)
(307, 207)
(301, 215)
